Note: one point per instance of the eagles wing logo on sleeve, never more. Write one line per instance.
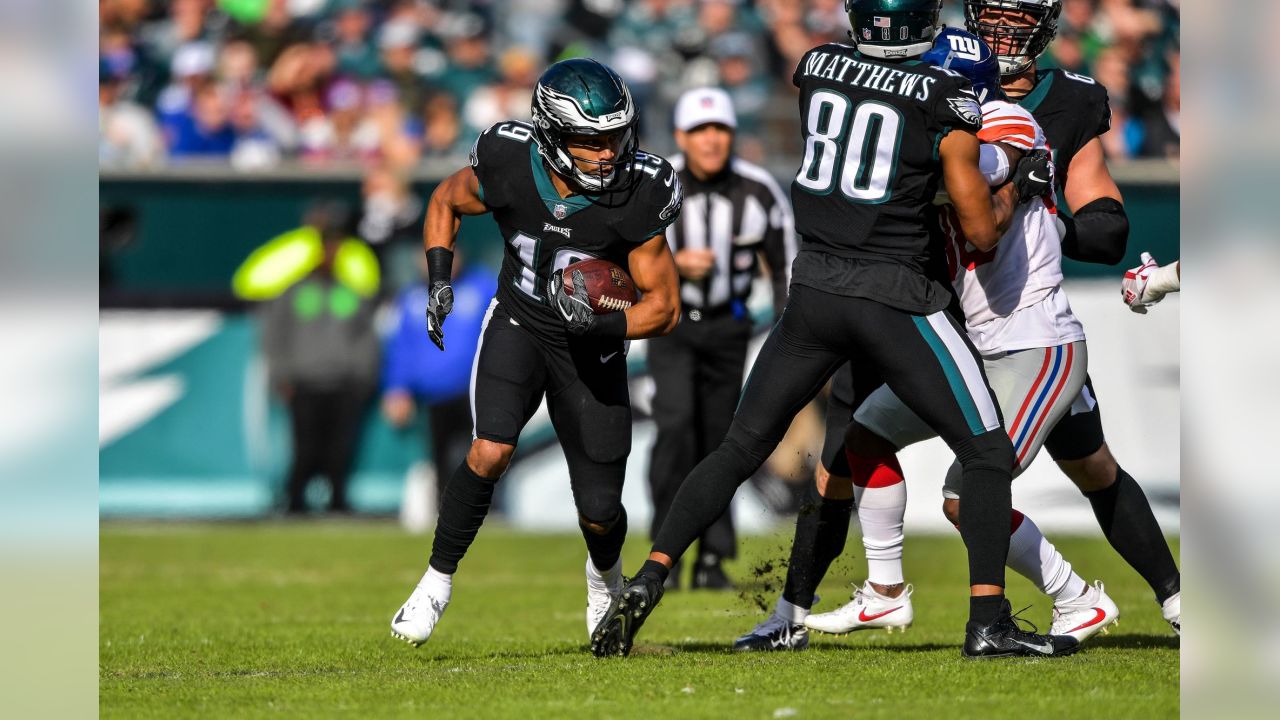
(677, 199)
(967, 109)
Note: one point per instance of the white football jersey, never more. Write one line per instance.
(1012, 295)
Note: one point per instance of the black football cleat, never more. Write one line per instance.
(1004, 638)
(617, 631)
(774, 634)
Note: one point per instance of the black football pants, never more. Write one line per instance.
(928, 362)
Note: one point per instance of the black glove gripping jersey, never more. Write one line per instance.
(863, 195)
(1072, 109)
(545, 232)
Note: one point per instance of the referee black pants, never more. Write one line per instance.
(697, 371)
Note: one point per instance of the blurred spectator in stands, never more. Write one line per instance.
(398, 41)
(442, 127)
(205, 130)
(346, 133)
(470, 65)
(416, 374)
(531, 23)
(509, 98)
(300, 78)
(128, 136)
(391, 211)
(1163, 124)
(190, 69)
(271, 31)
(357, 56)
(187, 21)
(1125, 136)
(238, 65)
(322, 359)
(743, 78)
(257, 146)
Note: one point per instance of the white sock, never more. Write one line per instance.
(793, 614)
(438, 584)
(610, 577)
(880, 513)
(1032, 556)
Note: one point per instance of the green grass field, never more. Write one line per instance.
(291, 620)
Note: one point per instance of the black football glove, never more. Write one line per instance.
(1033, 177)
(575, 308)
(439, 305)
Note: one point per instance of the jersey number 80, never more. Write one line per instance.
(866, 149)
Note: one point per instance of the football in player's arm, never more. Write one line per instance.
(649, 264)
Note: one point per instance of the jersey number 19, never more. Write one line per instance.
(864, 149)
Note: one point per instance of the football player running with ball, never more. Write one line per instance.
(569, 186)
(881, 130)
(1074, 111)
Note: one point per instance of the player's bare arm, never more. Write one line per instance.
(1089, 179)
(458, 195)
(968, 189)
(654, 272)
(1099, 229)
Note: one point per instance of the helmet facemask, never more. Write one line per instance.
(1016, 45)
(557, 117)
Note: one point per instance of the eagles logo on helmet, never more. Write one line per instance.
(583, 97)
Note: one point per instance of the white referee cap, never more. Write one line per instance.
(700, 106)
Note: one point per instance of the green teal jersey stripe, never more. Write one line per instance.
(954, 378)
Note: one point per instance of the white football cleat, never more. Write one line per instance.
(601, 592)
(868, 609)
(1087, 615)
(418, 616)
(1172, 612)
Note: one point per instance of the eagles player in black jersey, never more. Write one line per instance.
(569, 186)
(1073, 110)
(881, 129)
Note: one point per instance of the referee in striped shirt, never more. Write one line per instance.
(734, 213)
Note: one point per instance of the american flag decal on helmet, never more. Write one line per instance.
(881, 22)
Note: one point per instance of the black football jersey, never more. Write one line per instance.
(545, 232)
(1072, 109)
(863, 195)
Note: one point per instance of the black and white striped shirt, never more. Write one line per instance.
(737, 214)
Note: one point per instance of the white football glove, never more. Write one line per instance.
(1148, 283)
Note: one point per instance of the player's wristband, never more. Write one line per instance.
(610, 326)
(439, 265)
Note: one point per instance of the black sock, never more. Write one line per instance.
(986, 480)
(1125, 516)
(984, 609)
(703, 497)
(604, 548)
(462, 511)
(821, 529)
(654, 569)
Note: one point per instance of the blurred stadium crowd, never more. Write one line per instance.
(388, 84)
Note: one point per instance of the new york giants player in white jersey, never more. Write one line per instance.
(1019, 319)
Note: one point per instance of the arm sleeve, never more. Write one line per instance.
(1097, 233)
